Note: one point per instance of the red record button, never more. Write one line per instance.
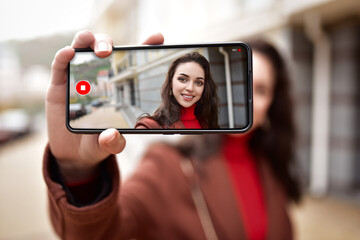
(83, 87)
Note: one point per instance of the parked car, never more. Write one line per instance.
(13, 124)
(76, 110)
(97, 103)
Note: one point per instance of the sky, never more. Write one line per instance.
(83, 57)
(28, 19)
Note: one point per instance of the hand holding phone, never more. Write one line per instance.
(78, 154)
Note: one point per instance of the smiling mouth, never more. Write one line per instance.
(187, 97)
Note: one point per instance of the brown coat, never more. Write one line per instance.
(148, 123)
(156, 202)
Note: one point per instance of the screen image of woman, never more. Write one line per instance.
(189, 97)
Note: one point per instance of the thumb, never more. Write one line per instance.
(112, 141)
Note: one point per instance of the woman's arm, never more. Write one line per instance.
(149, 205)
(79, 156)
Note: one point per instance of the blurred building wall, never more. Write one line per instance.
(9, 74)
(320, 38)
(344, 116)
(18, 85)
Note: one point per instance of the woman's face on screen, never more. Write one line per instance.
(188, 83)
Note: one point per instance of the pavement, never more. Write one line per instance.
(23, 200)
(326, 218)
(102, 117)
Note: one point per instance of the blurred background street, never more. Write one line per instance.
(320, 40)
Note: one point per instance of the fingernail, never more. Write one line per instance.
(111, 141)
(102, 46)
(110, 137)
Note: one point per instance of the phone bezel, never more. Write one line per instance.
(173, 131)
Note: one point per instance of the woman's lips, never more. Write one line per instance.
(187, 97)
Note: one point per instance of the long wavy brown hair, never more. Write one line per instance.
(275, 143)
(206, 110)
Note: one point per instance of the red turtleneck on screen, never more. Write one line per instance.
(188, 117)
(246, 182)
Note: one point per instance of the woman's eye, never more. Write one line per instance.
(199, 83)
(181, 79)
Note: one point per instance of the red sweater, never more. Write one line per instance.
(188, 117)
(245, 178)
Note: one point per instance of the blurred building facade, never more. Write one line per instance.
(20, 85)
(9, 73)
(321, 40)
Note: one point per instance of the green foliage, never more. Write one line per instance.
(89, 70)
(84, 100)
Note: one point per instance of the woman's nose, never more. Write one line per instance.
(190, 87)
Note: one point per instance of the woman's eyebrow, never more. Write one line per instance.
(185, 75)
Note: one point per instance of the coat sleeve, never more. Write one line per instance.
(134, 209)
(88, 222)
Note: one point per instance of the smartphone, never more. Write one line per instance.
(164, 89)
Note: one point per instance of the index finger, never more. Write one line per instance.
(59, 65)
(100, 43)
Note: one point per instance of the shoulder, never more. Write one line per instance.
(147, 123)
(177, 125)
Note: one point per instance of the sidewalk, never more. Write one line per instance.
(326, 219)
(102, 117)
(23, 199)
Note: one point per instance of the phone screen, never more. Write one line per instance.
(163, 88)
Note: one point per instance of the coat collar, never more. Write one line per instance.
(149, 123)
(220, 197)
(217, 189)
